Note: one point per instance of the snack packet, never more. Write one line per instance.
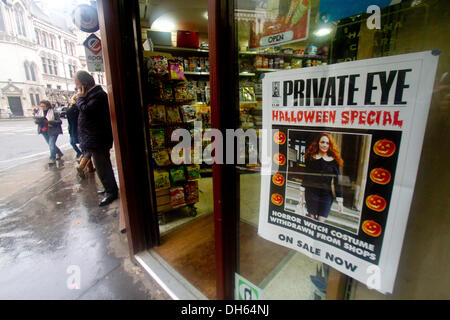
(162, 180)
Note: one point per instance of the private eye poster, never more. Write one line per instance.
(341, 158)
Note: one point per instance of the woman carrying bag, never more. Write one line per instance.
(49, 125)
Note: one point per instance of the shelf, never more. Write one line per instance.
(248, 102)
(284, 55)
(269, 70)
(247, 74)
(167, 48)
(192, 73)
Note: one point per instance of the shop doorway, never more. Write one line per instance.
(16, 106)
(176, 98)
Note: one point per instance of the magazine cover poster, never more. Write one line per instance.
(341, 153)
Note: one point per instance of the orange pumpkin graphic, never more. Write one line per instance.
(277, 199)
(384, 148)
(279, 137)
(279, 159)
(376, 202)
(278, 179)
(380, 176)
(371, 228)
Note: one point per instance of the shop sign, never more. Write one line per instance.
(85, 18)
(332, 10)
(245, 290)
(93, 50)
(279, 22)
(341, 159)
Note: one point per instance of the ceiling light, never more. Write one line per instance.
(322, 31)
(163, 24)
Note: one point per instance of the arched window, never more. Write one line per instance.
(33, 71)
(37, 34)
(44, 64)
(2, 22)
(55, 65)
(44, 39)
(27, 70)
(20, 22)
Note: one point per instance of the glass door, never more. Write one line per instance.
(279, 272)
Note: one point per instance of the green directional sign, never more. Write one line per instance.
(245, 290)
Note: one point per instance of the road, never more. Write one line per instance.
(20, 143)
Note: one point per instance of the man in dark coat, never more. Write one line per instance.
(94, 131)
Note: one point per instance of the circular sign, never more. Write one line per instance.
(85, 18)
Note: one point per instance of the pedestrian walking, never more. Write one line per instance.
(95, 132)
(72, 120)
(49, 125)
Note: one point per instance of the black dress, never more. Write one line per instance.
(319, 175)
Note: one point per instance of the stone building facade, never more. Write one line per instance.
(40, 51)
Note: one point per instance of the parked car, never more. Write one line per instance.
(62, 111)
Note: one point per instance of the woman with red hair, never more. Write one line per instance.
(322, 169)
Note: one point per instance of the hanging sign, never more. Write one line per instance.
(279, 22)
(93, 50)
(85, 18)
(341, 160)
(332, 10)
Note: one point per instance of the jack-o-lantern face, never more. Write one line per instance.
(384, 148)
(279, 137)
(376, 202)
(380, 176)
(278, 179)
(371, 228)
(277, 199)
(279, 159)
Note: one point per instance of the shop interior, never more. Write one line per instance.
(175, 42)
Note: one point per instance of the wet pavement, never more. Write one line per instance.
(54, 237)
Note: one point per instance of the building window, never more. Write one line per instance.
(44, 39)
(2, 22)
(71, 70)
(38, 101)
(52, 41)
(27, 71)
(33, 73)
(20, 23)
(55, 66)
(49, 86)
(50, 67)
(72, 49)
(36, 32)
(33, 103)
(66, 46)
(44, 65)
(58, 87)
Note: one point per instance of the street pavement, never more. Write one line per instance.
(21, 144)
(55, 241)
